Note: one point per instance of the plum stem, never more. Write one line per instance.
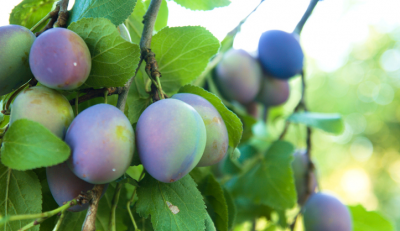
(305, 17)
(117, 192)
(62, 14)
(45, 18)
(128, 205)
(90, 221)
(59, 221)
(39, 217)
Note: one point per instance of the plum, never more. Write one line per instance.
(123, 31)
(65, 186)
(171, 138)
(60, 59)
(45, 106)
(325, 212)
(300, 169)
(238, 76)
(216, 132)
(15, 45)
(280, 54)
(273, 92)
(102, 144)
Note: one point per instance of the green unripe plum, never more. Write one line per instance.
(123, 31)
(217, 134)
(45, 106)
(15, 45)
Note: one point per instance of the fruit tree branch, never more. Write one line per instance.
(149, 20)
(305, 17)
(62, 14)
(90, 221)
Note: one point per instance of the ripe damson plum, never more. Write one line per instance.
(15, 45)
(171, 138)
(300, 170)
(217, 135)
(273, 92)
(325, 212)
(60, 59)
(65, 186)
(45, 106)
(280, 54)
(123, 31)
(238, 76)
(102, 144)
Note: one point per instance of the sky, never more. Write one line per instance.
(327, 37)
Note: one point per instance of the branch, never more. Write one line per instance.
(305, 17)
(90, 221)
(94, 93)
(62, 14)
(149, 19)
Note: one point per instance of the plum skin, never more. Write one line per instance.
(273, 92)
(171, 138)
(65, 186)
(102, 143)
(300, 169)
(325, 212)
(280, 54)
(60, 59)
(238, 76)
(45, 106)
(15, 45)
(216, 132)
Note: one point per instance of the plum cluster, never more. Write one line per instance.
(177, 134)
(101, 138)
(321, 211)
(241, 77)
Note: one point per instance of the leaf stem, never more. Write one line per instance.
(128, 205)
(117, 192)
(59, 222)
(39, 216)
(305, 17)
(44, 19)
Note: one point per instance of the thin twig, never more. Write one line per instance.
(94, 93)
(117, 192)
(305, 17)
(59, 222)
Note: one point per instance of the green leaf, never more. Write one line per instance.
(332, 123)
(72, 221)
(214, 195)
(369, 221)
(20, 193)
(232, 122)
(172, 206)
(136, 104)
(134, 22)
(28, 144)
(203, 4)
(231, 209)
(114, 60)
(182, 54)
(103, 212)
(114, 10)
(29, 12)
(270, 181)
(209, 224)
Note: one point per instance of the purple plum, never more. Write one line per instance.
(239, 76)
(60, 59)
(102, 144)
(273, 92)
(171, 138)
(280, 54)
(217, 135)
